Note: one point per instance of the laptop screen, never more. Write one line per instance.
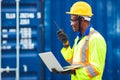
(50, 61)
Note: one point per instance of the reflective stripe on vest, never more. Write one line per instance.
(84, 55)
(92, 72)
(84, 48)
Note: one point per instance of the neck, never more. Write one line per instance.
(85, 26)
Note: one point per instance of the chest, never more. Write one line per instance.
(80, 50)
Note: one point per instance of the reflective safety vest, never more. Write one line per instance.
(90, 51)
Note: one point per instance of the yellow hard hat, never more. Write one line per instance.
(81, 8)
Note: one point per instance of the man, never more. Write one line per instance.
(89, 48)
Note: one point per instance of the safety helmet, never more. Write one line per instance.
(81, 8)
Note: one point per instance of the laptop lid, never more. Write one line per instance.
(50, 61)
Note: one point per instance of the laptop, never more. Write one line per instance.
(51, 62)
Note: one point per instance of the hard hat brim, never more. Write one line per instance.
(68, 13)
(71, 13)
(77, 14)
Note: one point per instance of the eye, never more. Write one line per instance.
(72, 21)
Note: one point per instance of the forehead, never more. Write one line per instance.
(73, 16)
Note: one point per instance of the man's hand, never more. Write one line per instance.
(62, 36)
(64, 72)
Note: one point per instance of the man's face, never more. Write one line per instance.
(74, 23)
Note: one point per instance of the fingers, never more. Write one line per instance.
(54, 70)
(62, 36)
(60, 31)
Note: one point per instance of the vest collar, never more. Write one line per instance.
(85, 33)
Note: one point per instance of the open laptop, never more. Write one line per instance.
(51, 62)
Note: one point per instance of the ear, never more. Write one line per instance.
(82, 19)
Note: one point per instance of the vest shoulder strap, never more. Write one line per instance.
(84, 59)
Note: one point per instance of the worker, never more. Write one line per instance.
(89, 47)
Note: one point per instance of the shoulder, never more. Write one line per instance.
(96, 36)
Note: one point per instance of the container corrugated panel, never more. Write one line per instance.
(106, 20)
(30, 38)
(112, 69)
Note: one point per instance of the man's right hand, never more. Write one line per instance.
(64, 72)
(62, 36)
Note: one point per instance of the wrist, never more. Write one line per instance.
(66, 44)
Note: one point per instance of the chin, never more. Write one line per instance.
(75, 30)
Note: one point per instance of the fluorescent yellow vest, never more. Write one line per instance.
(93, 57)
